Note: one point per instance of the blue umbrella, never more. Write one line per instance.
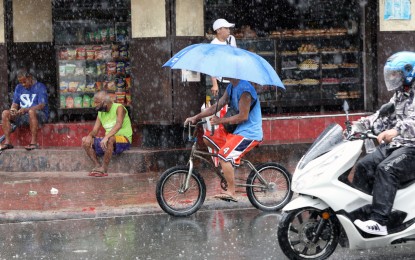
(225, 61)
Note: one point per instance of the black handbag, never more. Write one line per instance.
(230, 128)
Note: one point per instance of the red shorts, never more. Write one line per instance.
(231, 147)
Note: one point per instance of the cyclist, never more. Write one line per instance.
(242, 97)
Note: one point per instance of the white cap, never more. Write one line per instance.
(222, 23)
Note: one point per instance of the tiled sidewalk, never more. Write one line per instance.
(27, 196)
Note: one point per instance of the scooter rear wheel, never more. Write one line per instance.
(296, 234)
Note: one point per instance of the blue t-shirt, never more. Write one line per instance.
(33, 96)
(251, 128)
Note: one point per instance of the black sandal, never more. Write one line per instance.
(6, 146)
(31, 147)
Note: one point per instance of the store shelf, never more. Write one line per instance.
(329, 53)
(93, 68)
(290, 68)
(266, 53)
(310, 51)
(289, 54)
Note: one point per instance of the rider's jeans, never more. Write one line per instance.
(395, 170)
(365, 169)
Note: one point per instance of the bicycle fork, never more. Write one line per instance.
(185, 185)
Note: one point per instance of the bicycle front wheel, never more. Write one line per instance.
(272, 191)
(172, 196)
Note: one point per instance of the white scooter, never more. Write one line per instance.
(327, 204)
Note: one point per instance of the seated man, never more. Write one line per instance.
(29, 107)
(114, 119)
(233, 146)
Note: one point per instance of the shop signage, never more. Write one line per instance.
(396, 15)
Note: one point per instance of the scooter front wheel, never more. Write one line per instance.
(306, 234)
(172, 195)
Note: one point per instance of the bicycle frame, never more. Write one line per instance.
(201, 155)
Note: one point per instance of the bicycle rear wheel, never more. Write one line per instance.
(172, 197)
(273, 195)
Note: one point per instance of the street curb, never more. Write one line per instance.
(17, 216)
(14, 216)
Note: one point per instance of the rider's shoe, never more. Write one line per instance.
(371, 227)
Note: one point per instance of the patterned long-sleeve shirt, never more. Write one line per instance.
(404, 107)
(406, 132)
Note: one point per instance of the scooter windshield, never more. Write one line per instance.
(325, 142)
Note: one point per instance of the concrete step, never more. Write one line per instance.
(75, 160)
(136, 160)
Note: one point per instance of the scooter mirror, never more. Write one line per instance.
(386, 109)
(345, 106)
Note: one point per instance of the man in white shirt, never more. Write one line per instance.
(223, 36)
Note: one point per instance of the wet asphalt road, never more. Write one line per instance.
(213, 234)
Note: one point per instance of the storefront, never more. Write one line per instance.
(325, 51)
(315, 46)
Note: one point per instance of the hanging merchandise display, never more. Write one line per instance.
(94, 68)
(92, 52)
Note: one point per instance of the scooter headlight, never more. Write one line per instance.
(313, 171)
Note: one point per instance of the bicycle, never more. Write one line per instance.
(181, 190)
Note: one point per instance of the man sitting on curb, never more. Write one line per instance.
(29, 107)
(114, 119)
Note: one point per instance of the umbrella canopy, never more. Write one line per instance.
(225, 61)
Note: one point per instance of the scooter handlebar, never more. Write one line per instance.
(372, 136)
(361, 136)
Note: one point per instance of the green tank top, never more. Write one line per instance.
(108, 120)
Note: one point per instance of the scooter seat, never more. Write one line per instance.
(406, 184)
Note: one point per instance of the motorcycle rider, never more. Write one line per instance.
(392, 163)
(403, 101)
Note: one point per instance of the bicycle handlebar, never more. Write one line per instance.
(191, 137)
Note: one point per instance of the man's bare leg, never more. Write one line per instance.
(6, 126)
(91, 154)
(229, 173)
(34, 125)
(108, 154)
(210, 145)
